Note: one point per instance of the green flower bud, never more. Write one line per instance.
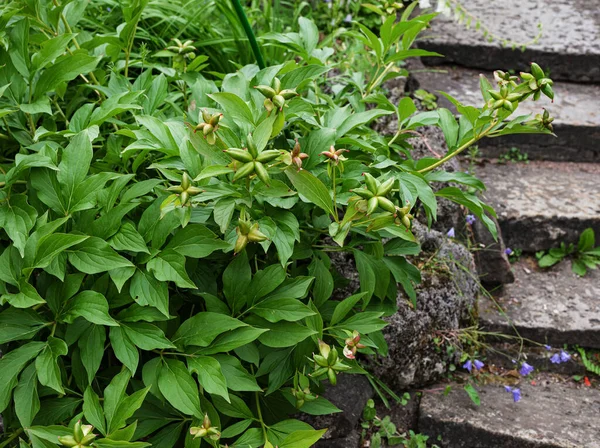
(371, 182)
(262, 173)
(240, 244)
(214, 120)
(68, 441)
(184, 197)
(363, 193)
(386, 204)
(266, 91)
(372, 205)
(267, 156)
(239, 154)
(278, 101)
(537, 71)
(288, 93)
(206, 116)
(185, 181)
(269, 105)
(193, 191)
(198, 431)
(244, 171)
(332, 377)
(255, 235)
(276, 84)
(547, 90)
(211, 138)
(208, 128)
(243, 227)
(386, 187)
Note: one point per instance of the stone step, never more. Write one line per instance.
(551, 306)
(549, 415)
(569, 46)
(575, 111)
(541, 204)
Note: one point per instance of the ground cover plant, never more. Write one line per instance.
(165, 275)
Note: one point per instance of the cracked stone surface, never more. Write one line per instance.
(569, 46)
(548, 416)
(553, 306)
(575, 110)
(541, 204)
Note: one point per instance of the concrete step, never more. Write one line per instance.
(541, 204)
(569, 47)
(552, 306)
(549, 415)
(575, 111)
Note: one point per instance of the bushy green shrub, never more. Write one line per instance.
(165, 272)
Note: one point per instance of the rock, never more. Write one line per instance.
(405, 417)
(350, 395)
(542, 204)
(575, 111)
(445, 298)
(492, 263)
(569, 46)
(567, 313)
(548, 416)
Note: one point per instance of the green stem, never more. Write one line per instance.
(335, 214)
(16, 434)
(248, 29)
(459, 150)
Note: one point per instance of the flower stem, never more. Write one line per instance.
(248, 29)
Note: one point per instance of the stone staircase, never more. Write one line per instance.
(540, 204)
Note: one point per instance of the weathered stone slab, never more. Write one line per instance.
(548, 416)
(569, 47)
(575, 110)
(552, 307)
(541, 204)
(492, 262)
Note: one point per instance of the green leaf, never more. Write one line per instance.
(41, 106)
(124, 349)
(236, 279)
(64, 69)
(236, 376)
(25, 298)
(11, 365)
(17, 324)
(17, 218)
(233, 339)
(265, 281)
(587, 240)
(27, 403)
(548, 260)
(46, 365)
(201, 329)
(210, 376)
(90, 305)
(196, 241)
(74, 165)
(94, 255)
(52, 245)
(148, 291)
(311, 188)
(278, 309)
(236, 408)
(302, 439)
(146, 336)
(115, 393)
(91, 347)
(449, 127)
(179, 388)
(50, 49)
(344, 307)
(302, 75)
(296, 288)
(120, 276)
(223, 212)
(358, 119)
(93, 411)
(169, 265)
(323, 285)
(236, 109)
(125, 409)
(472, 393)
(284, 334)
(213, 171)
(128, 238)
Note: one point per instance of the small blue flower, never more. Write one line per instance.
(451, 233)
(514, 361)
(526, 369)
(507, 389)
(348, 18)
(516, 394)
(508, 251)
(468, 365)
(471, 219)
(547, 347)
(555, 359)
(478, 364)
(564, 356)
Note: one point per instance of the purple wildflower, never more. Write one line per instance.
(555, 359)
(348, 18)
(507, 389)
(564, 356)
(547, 347)
(516, 394)
(508, 251)
(478, 364)
(471, 219)
(525, 369)
(468, 365)
(451, 233)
